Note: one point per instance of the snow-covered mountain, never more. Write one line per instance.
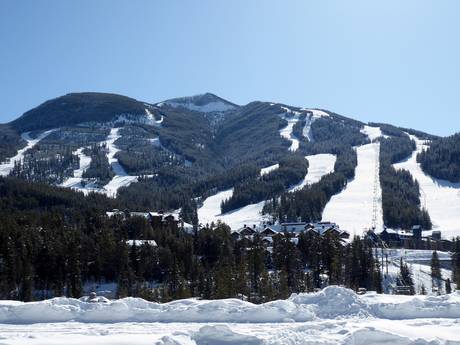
(232, 162)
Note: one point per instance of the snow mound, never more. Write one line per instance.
(370, 335)
(223, 335)
(330, 304)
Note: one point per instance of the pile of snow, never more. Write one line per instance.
(354, 208)
(440, 197)
(318, 166)
(6, 167)
(334, 315)
(332, 302)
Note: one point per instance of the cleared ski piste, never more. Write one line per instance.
(353, 208)
(75, 182)
(319, 165)
(6, 167)
(334, 315)
(440, 197)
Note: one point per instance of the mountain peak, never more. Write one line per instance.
(205, 103)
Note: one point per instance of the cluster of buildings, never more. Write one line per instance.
(293, 230)
(155, 218)
(414, 238)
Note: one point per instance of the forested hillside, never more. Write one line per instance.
(442, 159)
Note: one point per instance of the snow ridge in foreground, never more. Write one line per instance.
(333, 302)
(440, 197)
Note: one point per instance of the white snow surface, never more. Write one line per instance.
(372, 133)
(265, 171)
(354, 207)
(6, 167)
(440, 197)
(318, 166)
(75, 182)
(286, 132)
(121, 178)
(248, 215)
(334, 315)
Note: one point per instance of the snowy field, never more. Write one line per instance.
(332, 316)
(6, 167)
(441, 198)
(354, 207)
(318, 166)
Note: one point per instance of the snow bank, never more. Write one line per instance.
(6, 167)
(353, 209)
(318, 166)
(441, 198)
(332, 302)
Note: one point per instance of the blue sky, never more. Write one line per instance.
(389, 61)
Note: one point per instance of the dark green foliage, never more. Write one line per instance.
(99, 167)
(75, 108)
(291, 170)
(405, 277)
(10, 142)
(442, 159)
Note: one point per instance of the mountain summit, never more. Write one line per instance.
(205, 103)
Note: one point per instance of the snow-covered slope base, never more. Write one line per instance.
(354, 208)
(441, 198)
(333, 316)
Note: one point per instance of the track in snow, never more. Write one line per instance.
(318, 166)
(6, 167)
(440, 197)
(359, 206)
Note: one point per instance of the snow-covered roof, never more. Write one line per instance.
(138, 243)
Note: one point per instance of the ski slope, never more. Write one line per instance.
(248, 215)
(265, 171)
(359, 205)
(315, 114)
(373, 133)
(441, 198)
(286, 133)
(121, 178)
(75, 182)
(334, 315)
(318, 166)
(6, 167)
